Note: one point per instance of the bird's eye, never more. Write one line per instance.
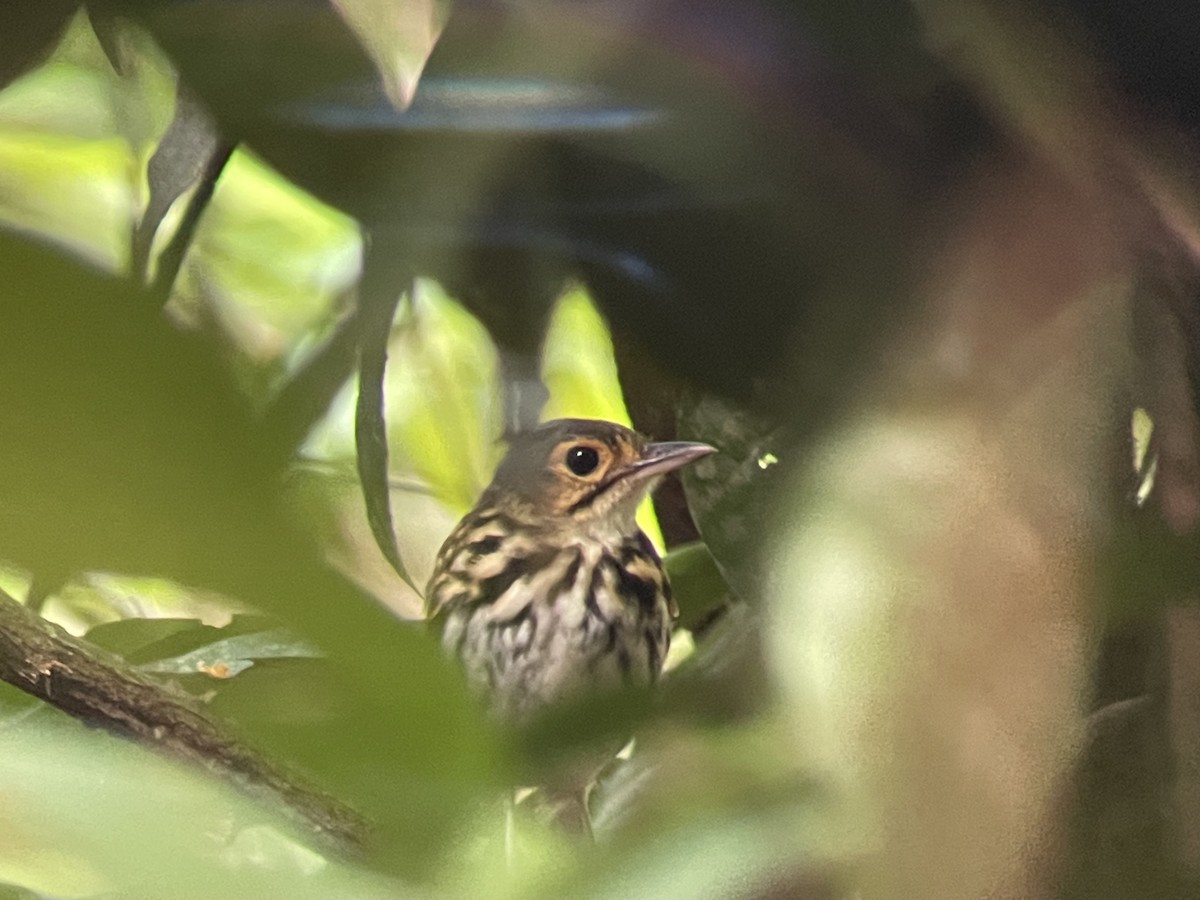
(582, 460)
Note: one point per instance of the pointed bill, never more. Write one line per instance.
(667, 456)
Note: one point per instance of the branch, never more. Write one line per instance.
(102, 690)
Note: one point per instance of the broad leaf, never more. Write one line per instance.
(730, 492)
(187, 647)
(580, 372)
(87, 814)
(398, 37)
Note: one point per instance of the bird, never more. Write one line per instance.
(548, 589)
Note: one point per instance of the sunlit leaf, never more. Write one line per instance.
(442, 400)
(577, 362)
(69, 188)
(72, 135)
(102, 597)
(328, 497)
(398, 37)
(14, 580)
(580, 373)
(269, 263)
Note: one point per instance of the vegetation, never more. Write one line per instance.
(277, 280)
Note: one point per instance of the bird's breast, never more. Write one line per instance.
(536, 624)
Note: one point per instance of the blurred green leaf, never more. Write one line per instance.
(28, 32)
(14, 580)
(578, 367)
(398, 37)
(129, 637)
(137, 455)
(73, 135)
(96, 598)
(13, 892)
(70, 189)
(16, 705)
(757, 853)
(84, 813)
(443, 408)
(269, 264)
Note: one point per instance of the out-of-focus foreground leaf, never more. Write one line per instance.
(128, 450)
(72, 136)
(87, 814)
(932, 608)
(398, 37)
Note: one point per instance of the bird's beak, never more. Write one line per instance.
(667, 456)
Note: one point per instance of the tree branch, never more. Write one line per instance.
(102, 690)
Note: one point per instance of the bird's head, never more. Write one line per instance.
(584, 471)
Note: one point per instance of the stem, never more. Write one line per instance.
(102, 690)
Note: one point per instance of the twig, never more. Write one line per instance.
(102, 690)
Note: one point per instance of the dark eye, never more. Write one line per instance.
(582, 460)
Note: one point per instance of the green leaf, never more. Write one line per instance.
(13, 892)
(16, 705)
(730, 491)
(72, 135)
(270, 261)
(129, 637)
(580, 372)
(398, 37)
(443, 406)
(696, 582)
(578, 367)
(188, 647)
(228, 657)
(138, 456)
(377, 310)
(85, 814)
